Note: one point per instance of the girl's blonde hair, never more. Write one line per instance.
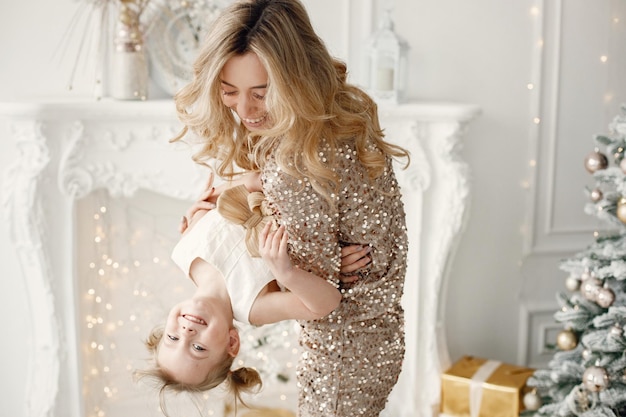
(247, 209)
(308, 100)
(239, 381)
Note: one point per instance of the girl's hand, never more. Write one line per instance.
(273, 250)
(353, 258)
(208, 199)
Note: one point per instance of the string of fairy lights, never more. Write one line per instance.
(127, 284)
(611, 61)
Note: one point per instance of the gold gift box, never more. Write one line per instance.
(501, 392)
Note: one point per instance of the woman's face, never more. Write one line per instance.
(195, 339)
(244, 84)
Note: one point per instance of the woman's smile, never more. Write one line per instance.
(254, 122)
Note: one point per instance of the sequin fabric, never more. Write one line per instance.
(350, 359)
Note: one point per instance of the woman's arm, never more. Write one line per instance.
(317, 295)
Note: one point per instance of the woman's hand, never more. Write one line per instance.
(353, 258)
(205, 203)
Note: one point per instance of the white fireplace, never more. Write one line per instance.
(81, 161)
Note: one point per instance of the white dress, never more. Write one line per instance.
(222, 244)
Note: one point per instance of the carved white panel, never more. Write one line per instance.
(28, 227)
(123, 147)
(538, 331)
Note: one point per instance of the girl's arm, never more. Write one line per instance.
(276, 305)
(315, 296)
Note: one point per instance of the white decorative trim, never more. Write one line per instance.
(90, 162)
(23, 203)
(417, 176)
(453, 204)
(551, 104)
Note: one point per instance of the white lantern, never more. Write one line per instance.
(387, 66)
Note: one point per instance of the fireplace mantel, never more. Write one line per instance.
(67, 149)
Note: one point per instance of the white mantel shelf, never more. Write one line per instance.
(87, 109)
(69, 148)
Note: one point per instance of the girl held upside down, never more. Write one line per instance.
(220, 252)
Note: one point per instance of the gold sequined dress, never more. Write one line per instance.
(351, 359)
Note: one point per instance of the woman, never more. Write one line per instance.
(267, 96)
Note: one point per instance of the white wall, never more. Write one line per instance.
(479, 52)
(484, 52)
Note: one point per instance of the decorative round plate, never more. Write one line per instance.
(174, 33)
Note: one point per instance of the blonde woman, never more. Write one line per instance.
(267, 96)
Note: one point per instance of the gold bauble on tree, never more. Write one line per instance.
(596, 161)
(596, 195)
(620, 212)
(605, 297)
(595, 379)
(567, 340)
(532, 400)
(590, 287)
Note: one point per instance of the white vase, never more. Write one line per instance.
(129, 68)
(129, 74)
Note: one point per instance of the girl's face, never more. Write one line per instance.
(244, 84)
(195, 339)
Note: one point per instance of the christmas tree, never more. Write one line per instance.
(586, 377)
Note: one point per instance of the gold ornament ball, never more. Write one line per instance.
(605, 297)
(595, 379)
(596, 194)
(567, 340)
(590, 287)
(620, 212)
(596, 161)
(532, 400)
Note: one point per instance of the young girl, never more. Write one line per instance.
(268, 96)
(196, 348)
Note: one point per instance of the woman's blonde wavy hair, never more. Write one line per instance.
(308, 99)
